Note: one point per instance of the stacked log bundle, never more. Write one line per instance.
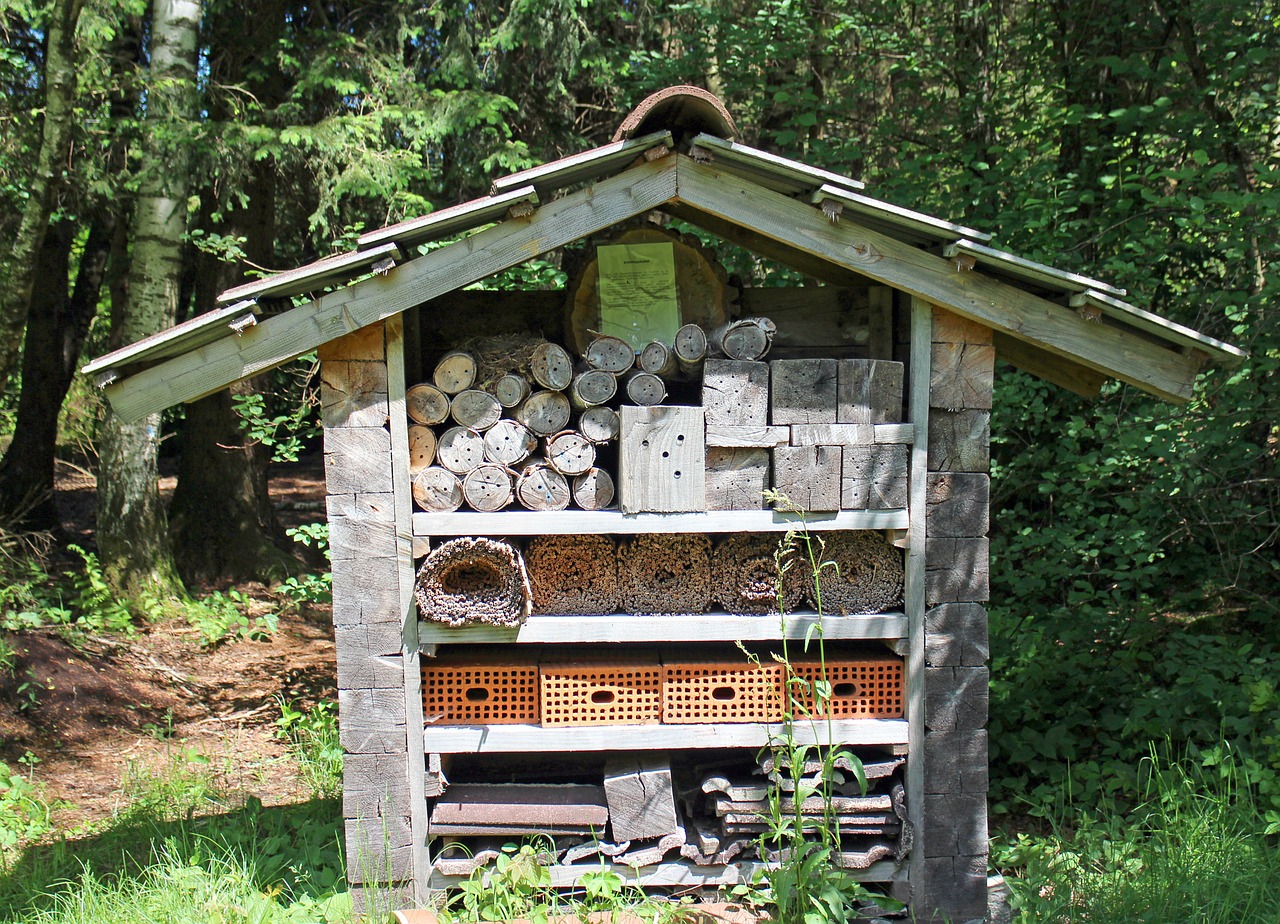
(746, 579)
(665, 573)
(541, 487)
(468, 580)
(573, 574)
(867, 577)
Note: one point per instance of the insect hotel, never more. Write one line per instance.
(558, 609)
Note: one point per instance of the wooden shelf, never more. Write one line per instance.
(701, 627)
(582, 522)
(496, 739)
(682, 873)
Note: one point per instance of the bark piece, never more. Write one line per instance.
(468, 580)
(665, 573)
(573, 574)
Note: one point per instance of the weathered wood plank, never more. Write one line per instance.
(571, 522)
(522, 803)
(809, 476)
(735, 393)
(736, 478)
(963, 376)
(747, 437)
(955, 825)
(949, 327)
(802, 391)
(641, 798)
(847, 434)
(364, 344)
(357, 459)
(662, 467)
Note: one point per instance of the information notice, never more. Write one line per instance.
(637, 290)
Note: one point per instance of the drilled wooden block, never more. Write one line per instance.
(810, 476)
(874, 477)
(735, 393)
(802, 391)
(869, 391)
(736, 478)
(662, 467)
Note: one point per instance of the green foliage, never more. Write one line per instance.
(24, 812)
(315, 745)
(284, 433)
(309, 589)
(517, 886)
(225, 617)
(82, 601)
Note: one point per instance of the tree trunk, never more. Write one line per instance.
(133, 534)
(55, 146)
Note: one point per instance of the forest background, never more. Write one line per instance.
(154, 154)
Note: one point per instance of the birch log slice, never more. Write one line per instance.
(746, 575)
(488, 487)
(645, 389)
(868, 575)
(422, 448)
(511, 389)
(657, 359)
(426, 404)
(593, 489)
(465, 581)
(610, 354)
(437, 490)
(690, 348)
(545, 412)
(460, 450)
(747, 339)
(551, 366)
(665, 573)
(509, 442)
(455, 372)
(593, 387)
(570, 453)
(475, 409)
(573, 574)
(541, 487)
(599, 424)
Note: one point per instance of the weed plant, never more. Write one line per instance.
(315, 745)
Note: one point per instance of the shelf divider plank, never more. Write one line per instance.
(475, 739)
(701, 627)
(581, 522)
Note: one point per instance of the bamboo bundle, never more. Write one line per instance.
(465, 581)
(573, 574)
(599, 424)
(422, 448)
(745, 576)
(488, 487)
(541, 487)
(868, 574)
(460, 450)
(426, 404)
(437, 490)
(509, 442)
(610, 354)
(455, 372)
(593, 489)
(665, 573)
(475, 409)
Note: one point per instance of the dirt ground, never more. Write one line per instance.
(116, 705)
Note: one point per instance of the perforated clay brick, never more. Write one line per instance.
(702, 692)
(480, 693)
(861, 688)
(621, 690)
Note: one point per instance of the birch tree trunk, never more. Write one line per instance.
(133, 533)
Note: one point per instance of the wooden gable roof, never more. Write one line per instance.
(1068, 328)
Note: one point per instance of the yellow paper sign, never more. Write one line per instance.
(638, 293)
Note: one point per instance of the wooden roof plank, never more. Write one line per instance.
(456, 219)
(896, 217)
(772, 170)
(976, 296)
(1025, 270)
(1226, 354)
(579, 168)
(192, 333)
(340, 267)
(1048, 366)
(279, 338)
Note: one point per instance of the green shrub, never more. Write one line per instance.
(314, 743)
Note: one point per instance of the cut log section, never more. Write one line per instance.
(573, 574)
(610, 354)
(594, 489)
(475, 410)
(747, 339)
(645, 388)
(593, 387)
(455, 372)
(570, 453)
(426, 404)
(509, 442)
(466, 581)
(488, 487)
(691, 350)
(657, 359)
(665, 573)
(541, 487)
(599, 424)
(460, 450)
(551, 366)
(545, 412)
(422, 448)
(511, 389)
(746, 575)
(868, 574)
(437, 490)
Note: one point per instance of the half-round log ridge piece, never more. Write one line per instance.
(684, 111)
(466, 581)
(867, 577)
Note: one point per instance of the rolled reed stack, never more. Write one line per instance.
(573, 574)
(466, 581)
(665, 573)
(868, 574)
(745, 576)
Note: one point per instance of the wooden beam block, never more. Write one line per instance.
(869, 391)
(956, 697)
(874, 477)
(736, 478)
(962, 375)
(802, 391)
(735, 393)
(955, 824)
(360, 666)
(956, 635)
(956, 761)
(353, 394)
(959, 441)
(374, 854)
(836, 434)
(366, 344)
(662, 465)
(373, 739)
(357, 459)
(957, 570)
(748, 437)
(949, 327)
(809, 476)
(957, 504)
(641, 799)
(367, 794)
(371, 707)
